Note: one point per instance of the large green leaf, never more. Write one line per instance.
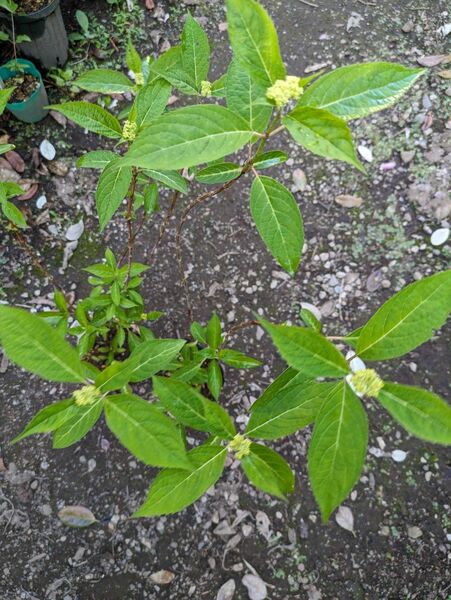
(254, 41)
(37, 347)
(278, 220)
(268, 471)
(5, 95)
(147, 358)
(13, 214)
(104, 81)
(91, 117)
(195, 51)
(218, 173)
(145, 431)
(307, 351)
(171, 179)
(151, 101)
(188, 136)
(322, 133)
(174, 489)
(77, 426)
(359, 90)
(169, 66)
(422, 413)
(408, 319)
(96, 159)
(111, 190)
(247, 98)
(192, 409)
(292, 408)
(48, 419)
(338, 448)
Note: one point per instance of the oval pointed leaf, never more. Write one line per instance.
(268, 471)
(422, 413)
(104, 81)
(151, 101)
(81, 421)
(91, 117)
(37, 347)
(145, 431)
(269, 159)
(195, 51)
(338, 448)
(278, 220)
(188, 136)
(408, 319)
(48, 419)
(171, 179)
(254, 41)
(322, 133)
(111, 190)
(76, 516)
(219, 173)
(97, 159)
(358, 90)
(307, 351)
(174, 489)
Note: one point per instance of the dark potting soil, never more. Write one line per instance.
(31, 6)
(25, 85)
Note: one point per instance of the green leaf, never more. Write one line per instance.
(5, 147)
(151, 101)
(247, 98)
(145, 431)
(192, 409)
(338, 448)
(215, 379)
(169, 66)
(35, 346)
(420, 412)
(5, 95)
(73, 429)
(147, 358)
(309, 320)
(195, 51)
(293, 407)
(218, 87)
(198, 332)
(254, 41)
(112, 188)
(171, 179)
(269, 159)
(322, 133)
(358, 90)
(268, 471)
(48, 419)
(219, 173)
(9, 5)
(278, 220)
(132, 58)
(214, 332)
(150, 199)
(188, 136)
(174, 489)
(104, 81)
(91, 117)
(408, 319)
(307, 351)
(97, 159)
(237, 360)
(83, 20)
(13, 214)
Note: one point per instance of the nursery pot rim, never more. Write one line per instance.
(31, 69)
(42, 13)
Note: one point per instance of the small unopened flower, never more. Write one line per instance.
(205, 89)
(367, 382)
(86, 395)
(284, 90)
(240, 446)
(129, 130)
(139, 79)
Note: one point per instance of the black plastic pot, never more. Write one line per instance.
(45, 28)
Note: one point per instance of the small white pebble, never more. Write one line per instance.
(47, 150)
(399, 455)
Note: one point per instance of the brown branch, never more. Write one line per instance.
(164, 225)
(239, 326)
(35, 260)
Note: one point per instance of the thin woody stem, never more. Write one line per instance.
(129, 216)
(238, 327)
(35, 260)
(165, 224)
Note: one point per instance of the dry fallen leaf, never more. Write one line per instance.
(150, 4)
(256, 587)
(74, 232)
(446, 74)
(349, 201)
(433, 60)
(345, 518)
(16, 161)
(58, 117)
(30, 189)
(76, 516)
(162, 577)
(227, 590)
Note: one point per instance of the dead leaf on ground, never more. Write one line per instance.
(433, 60)
(76, 516)
(256, 587)
(345, 518)
(162, 577)
(58, 117)
(150, 4)
(349, 201)
(227, 590)
(16, 161)
(446, 74)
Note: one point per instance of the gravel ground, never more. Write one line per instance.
(354, 259)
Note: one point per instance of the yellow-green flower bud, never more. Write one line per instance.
(87, 395)
(240, 446)
(139, 79)
(367, 382)
(129, 131)
(205, 89)
(284, 90)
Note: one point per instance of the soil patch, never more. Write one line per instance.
(25, 85)
(31, 6)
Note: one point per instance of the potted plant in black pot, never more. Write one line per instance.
(40, 29)
(28, 96)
